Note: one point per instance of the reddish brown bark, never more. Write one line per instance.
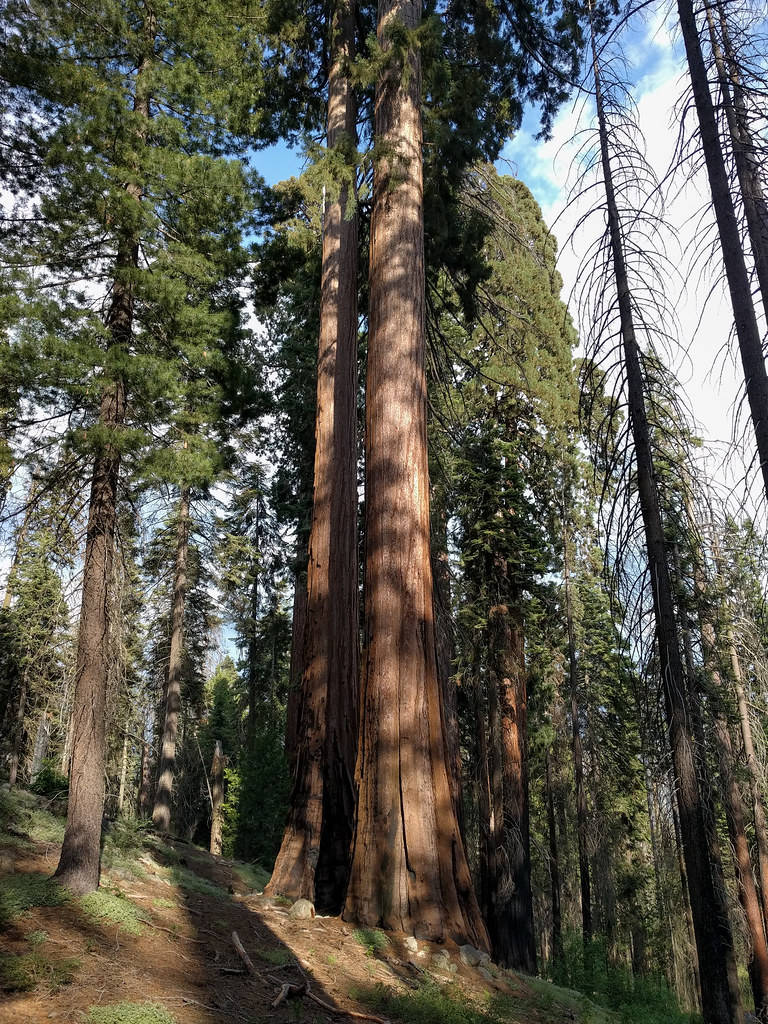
(161, 812)
(296, 672)
(512, 930)
(554, 870)
(409, 870)
(313, 862)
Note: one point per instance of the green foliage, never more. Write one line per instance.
(27, 971)
(22, 811)
(50, 781)
(428, 1004)
(372, 939)
(129, 1013)
(21, 892)
(635, 999)
(111, 906)
(257, 798)
(253, 875)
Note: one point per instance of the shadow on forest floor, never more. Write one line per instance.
(155, 943)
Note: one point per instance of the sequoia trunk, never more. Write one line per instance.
(409, 870)
(313, 862)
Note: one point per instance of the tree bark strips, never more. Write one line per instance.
(313, 862)
(409, 870)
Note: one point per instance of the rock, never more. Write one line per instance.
(441, 961)
(473, 957)
(411, 944)
(485, 973)
(422, 953)
(303, 910)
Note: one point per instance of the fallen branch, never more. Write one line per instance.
(289, 991)
(295, 991)
(243, 955)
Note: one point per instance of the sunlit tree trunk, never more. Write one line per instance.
(313, 861)
(409, 870)
(217, 798)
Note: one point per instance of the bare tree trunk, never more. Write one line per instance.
(217, 798)
(18, 732)
(554, 870)
(313, 861)
(123, 772)
(441, 575)
(514, 939)
(409, 870)
(747, 329)
(578, 754)
(710, 917)
(161, 812)
(486, 844)
(145, 781)
(743, 148)
(79, 863)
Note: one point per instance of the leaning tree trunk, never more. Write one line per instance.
(747, 330)
(217, 798)
(745, 155)
(710, 917)
(80, 858)
(409, 869)
(514, 939)
(582, 832)
(313, 861)
(161, 812)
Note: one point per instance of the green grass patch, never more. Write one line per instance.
(188, 880)
(129, 1013)
(37, 938)
(24, 812)
(163, 904)
(431, 1004)
(372, 939)
(276, 955)
(253, 875)
(22, 973)
(19, 893)
(110, 906)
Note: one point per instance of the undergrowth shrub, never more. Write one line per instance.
(129, 1013)
(21, 892)
(49, 781)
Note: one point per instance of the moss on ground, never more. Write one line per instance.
(21, 892)
(129, 1013)
(188, 880)
(111, 906)
(252, 875)
(26, 971)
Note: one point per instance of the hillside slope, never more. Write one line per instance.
(155, 945)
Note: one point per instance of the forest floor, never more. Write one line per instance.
(155, 946)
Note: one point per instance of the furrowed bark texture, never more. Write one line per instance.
(711, 926)
(144, 797)
(161, 812)
(313, 862)
(747, 330)
(293, 709)
(80, 857)
(409, 870)
(512, 933)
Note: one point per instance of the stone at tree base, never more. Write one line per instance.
(411, 944)
(303, 910)
(473, 957)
